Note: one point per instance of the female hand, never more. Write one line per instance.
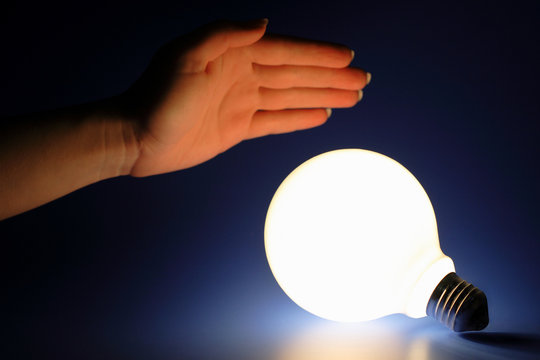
(202, 93)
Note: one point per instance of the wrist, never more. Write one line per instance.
(119, 138)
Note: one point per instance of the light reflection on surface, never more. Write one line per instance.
(375, 340)
(289, 334)
(397, 338)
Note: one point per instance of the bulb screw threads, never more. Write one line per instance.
(458, 305)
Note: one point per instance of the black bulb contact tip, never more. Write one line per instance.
(458, 304)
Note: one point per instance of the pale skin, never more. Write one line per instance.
(202, 94)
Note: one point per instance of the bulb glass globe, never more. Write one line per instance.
(351, 235)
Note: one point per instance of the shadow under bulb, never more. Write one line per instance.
(351, 236)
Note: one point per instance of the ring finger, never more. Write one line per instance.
(300, 98)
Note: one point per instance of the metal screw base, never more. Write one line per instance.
(458, 305)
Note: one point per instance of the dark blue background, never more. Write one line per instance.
(173, 266)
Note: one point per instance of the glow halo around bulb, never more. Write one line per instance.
(351, 235)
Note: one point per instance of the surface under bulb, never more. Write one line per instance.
(351, 235)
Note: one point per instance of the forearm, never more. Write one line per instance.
(47, 155)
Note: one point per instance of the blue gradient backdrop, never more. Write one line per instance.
(173, 266)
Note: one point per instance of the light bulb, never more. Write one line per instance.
(351, 235)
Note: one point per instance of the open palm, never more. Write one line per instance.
(226, 82)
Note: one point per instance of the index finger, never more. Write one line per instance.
(286, 50)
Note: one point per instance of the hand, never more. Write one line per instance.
(224, 83)
(202, 93)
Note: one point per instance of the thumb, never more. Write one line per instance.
(213, 40)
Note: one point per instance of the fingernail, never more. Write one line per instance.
(328, 112)
(360, 95)
(352, 54)
(368, 78)
(264, 22)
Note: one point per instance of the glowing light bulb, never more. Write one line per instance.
(351, 235)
